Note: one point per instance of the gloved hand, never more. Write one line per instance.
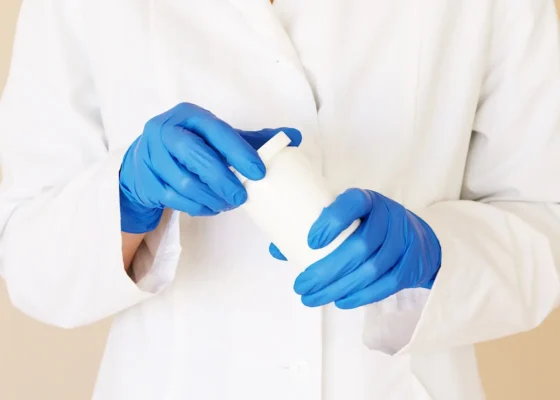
(181, 161)
(392, 249)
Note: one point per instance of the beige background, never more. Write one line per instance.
(39, 362)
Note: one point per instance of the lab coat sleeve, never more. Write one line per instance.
(501, 241)
(60, 239)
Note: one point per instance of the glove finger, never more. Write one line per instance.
(195, 155)
(393, 281)
(191, 187)
(152, 192)
(389, 248)
(354, 251)
(276, 253)
(223, 138)
(346, 258)
(348, 207)
(374, 293)
(367, 273)
(257, 138)
(184, 182)
(339, 289)
(174, 200)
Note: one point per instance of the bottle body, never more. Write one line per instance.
(286, 203)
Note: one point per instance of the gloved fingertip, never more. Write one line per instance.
(294, 135)
(229, 207)
(259, 169)
(255, 171)
(303, 284)
(344, 304)
(240, 197)
(318, 236)
(276, 253)
(314, 243)
(309, 301)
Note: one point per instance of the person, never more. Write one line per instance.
(437, 123)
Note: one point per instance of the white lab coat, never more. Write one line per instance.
(450, 107)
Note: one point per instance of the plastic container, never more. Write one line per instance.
(286, 203)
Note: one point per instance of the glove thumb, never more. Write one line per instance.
(257, 138)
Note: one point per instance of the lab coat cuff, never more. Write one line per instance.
(157, 257)
(429, 320)
(402, 322)
(390, 324)
(156, 260)
(153, 266)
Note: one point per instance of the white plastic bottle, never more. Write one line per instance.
(287, 202)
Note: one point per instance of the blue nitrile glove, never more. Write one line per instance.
(181, 161)
(393, 249)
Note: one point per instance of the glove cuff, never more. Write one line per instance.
(136, 218)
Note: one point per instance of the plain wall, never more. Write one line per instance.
(40, 362)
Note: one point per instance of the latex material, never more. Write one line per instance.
(393, 249)
(182, 161)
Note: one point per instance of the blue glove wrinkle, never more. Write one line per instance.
(227, 142)
(360, 245)
(345, 259)
(392, 250)
(353, 204)
(319, 235)
(136, 218)
(179, 162)
(207, 168)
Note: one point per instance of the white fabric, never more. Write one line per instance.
(450, 107)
